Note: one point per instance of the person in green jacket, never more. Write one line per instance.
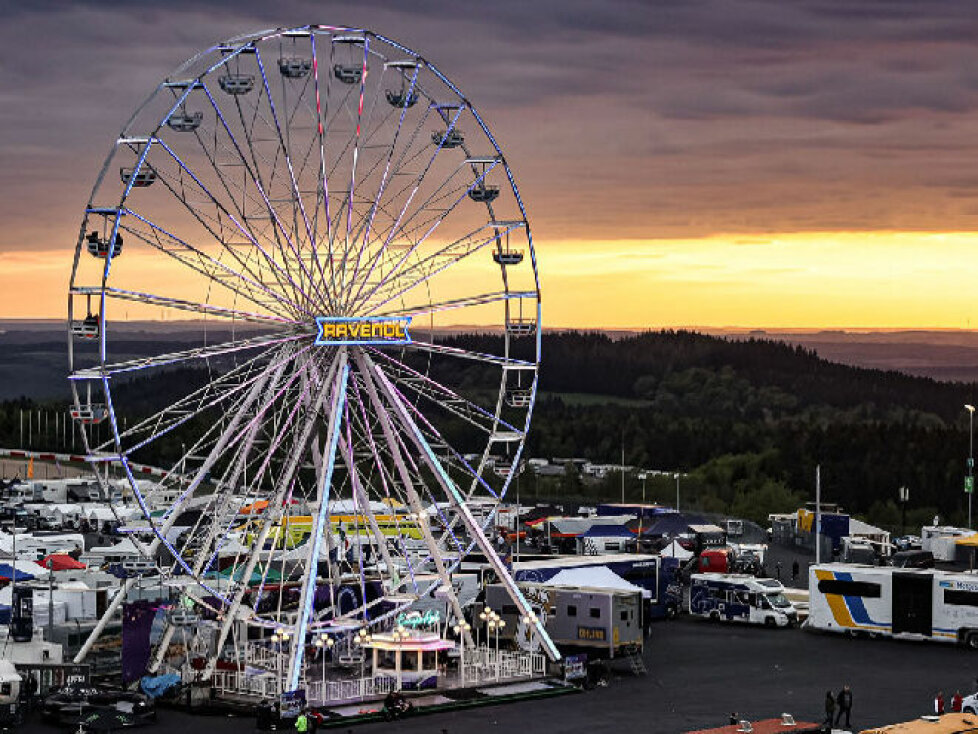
(302, 723)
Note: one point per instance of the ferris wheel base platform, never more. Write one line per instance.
(451, 700)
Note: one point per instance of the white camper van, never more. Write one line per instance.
(920, 603)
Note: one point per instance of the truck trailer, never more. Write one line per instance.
(913, 603)
(740, 597)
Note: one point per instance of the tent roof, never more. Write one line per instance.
(608, 531)
(594, 577)
(674, 550)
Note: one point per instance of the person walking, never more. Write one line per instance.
(829, 709)
(844, 702)
(777, 569)
(302, 722)
(956, 702)
(939, 703)
(795, 569)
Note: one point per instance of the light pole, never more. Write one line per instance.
(325, 643)
(280, 637)
(400, 634)
(676, 475)
(485, 615)
(460, 629)
(362, 638)
(969, 482)
(904, 498)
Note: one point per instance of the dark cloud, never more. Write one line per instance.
(645, 118)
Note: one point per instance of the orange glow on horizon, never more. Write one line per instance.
(805, 280)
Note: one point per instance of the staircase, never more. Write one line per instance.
(635, 662)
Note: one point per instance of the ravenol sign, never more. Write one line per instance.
(335, 330)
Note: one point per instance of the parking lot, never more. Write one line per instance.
(699, 672)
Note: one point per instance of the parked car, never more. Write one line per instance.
(70, 705)
(912, 559)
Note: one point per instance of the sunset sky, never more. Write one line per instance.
(770, 163)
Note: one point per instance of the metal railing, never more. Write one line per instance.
(264, 685)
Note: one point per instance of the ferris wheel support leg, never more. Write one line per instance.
(267, 383)
(367, 367)
(364, 506)
(471, 524)
(110, 611)
(277, 506)
(337, 408)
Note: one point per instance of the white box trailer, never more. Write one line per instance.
(920, 603)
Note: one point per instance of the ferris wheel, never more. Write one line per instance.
(302, 216)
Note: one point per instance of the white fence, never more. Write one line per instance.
(354, 689)
(485, 663)
(264, 685)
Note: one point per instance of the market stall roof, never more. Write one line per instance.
(25, 570)
(594, 577)
(60, 562)
(674, 550)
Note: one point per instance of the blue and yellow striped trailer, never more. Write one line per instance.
(923, 604)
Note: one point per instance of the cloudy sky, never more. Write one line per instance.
(684, 162)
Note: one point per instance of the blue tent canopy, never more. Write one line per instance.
(9, 572)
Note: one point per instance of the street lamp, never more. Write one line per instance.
(496, 624)
(362, 638)
(969, 482)
(399, 635)
(460, 629)
(280, 637)
(325, 643)
(676, 476)
(485, 615)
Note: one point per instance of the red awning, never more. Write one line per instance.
(61, 562)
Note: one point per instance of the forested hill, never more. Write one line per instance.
(643, 365)
(748, 421)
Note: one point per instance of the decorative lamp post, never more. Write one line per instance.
(460, 629)
(485, 615)
(399, 635)
(362, 638)
(324, 643)
(280, 637)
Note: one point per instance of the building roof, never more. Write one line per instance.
(947, 724)
(767, 726)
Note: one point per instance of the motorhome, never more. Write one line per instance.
(918, 603)
(739, 597)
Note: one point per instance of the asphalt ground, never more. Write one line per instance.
(700, 672)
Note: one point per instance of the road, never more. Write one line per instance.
(699, 672)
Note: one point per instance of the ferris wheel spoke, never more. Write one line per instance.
(382, 187)
(183, 305)
(387, 482)
(276, 506)
(323, 184)
(439, 395)
(238, 217)
(214, 270)
(459, 503)
(188, 355)
(508, 363)
(453, 304)
(397, 225)
(298, 204)
(216, 393)
(251, 169)
(426, 268)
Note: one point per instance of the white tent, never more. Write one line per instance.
(674, 550)
(595, 577)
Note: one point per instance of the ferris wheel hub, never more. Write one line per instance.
(364, 331)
